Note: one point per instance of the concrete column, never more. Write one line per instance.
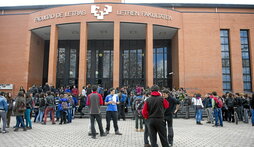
(82, 56)
(251, 47)
(236, 60)
(53, 48)
(116, 62)
(149, 55)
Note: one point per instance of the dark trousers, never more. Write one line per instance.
(157, 125)
(121, 113)
(111, 115)
(8, 117)
(63, 117)
(96, 117)
(169, 122)
(231, 114)
(19, 120)
(146, 133)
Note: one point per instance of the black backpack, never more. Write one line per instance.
(139, 106)
(230, 102)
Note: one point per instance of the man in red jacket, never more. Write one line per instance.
(154, 109)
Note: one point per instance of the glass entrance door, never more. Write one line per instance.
(67, 63)
(132, 67)
(100, 62)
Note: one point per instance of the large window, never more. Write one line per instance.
(100, 62)
(67, 63)
(225, 55)
(161, 67)
(132, 63)
(246, 60)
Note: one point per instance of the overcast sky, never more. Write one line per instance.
(49, 2)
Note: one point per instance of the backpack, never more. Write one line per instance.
(21, 107)
(230, 102)
(42, 102)
(219, 103)
(65, 105)
(139, 106)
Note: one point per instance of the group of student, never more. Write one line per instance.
(224, 108)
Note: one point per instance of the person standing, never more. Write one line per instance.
(111, 112)
(174, 107)
(19, 110)
(209, 109)
(10, 107)
(3, 111)
(29, 107)
(50, 103)
(197, 102)
(154, 109)
(217, 105)
(94, 101)
(74, 91)
(122, 98)
(252, 109)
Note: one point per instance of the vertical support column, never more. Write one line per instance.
(53, 55)
(236, 60)
(149, 55)
(251, 47)
(116, 62)
(82, 56)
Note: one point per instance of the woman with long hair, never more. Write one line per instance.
(19, 109)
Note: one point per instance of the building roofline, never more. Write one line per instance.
(162, 5)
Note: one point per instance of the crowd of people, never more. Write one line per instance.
(153, 108)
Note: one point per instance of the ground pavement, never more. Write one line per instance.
(187, 134)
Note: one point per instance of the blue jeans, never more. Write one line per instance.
(252, 116)
(19, 121)
(28, 118)
(198, 115)
(40, 116)
(69, 112)
(218, 115)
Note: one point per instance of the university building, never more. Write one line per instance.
(201, 47)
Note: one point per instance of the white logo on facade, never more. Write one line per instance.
(95, 10)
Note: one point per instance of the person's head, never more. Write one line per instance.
(155, 88)
(237, 94)
(198, 95)
(1, 93)
(36, 95)
(112, 90)
(65, 95)
(42, 95)
(28, 95)
(214, 93)
(165, 93)
(230, 95)
(84, 87)
(21, 94)
(94, 88)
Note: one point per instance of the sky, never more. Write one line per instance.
(50, 2)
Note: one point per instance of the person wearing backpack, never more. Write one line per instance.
(197, 102)
(63, 108)
(217, 105)
(230, 102)
(168, 115)
(71, 105)
(50, 107)
(19, 110)
(209, 109)
(138, 113)
(36, 104)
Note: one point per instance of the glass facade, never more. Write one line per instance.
(226, 66)
(67, 63)
(161, 68)
(100, 62)
(244, 36)
(132, 67)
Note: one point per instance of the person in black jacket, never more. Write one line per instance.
(174, 106)
(154, 109)
(252, 109)
(230, 102)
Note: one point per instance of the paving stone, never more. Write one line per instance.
(186, 132)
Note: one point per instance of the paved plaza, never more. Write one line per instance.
(187, 134)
